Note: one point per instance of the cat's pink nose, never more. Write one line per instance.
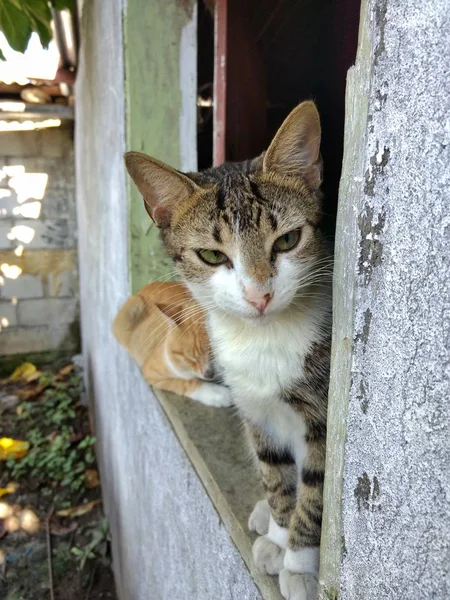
(257, 299)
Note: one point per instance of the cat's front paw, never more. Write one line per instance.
(213, 394)
(260, 517)
(267, 556)
(298, 586)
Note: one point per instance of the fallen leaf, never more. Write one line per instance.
(22, 371)
(12, 524)
(5, 510)
(33, 376)
(78, 511)
(10, 488)
(66, 370)
(10, 448)
(57, 529)
(29, 521)
(28, 393)
(91, 479)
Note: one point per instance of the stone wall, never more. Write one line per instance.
(387, 521)
(38, 257)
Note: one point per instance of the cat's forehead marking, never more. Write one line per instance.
(240, 205)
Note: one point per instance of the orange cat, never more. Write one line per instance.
(163, 329)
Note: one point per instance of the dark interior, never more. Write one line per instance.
(205, 78)
(280, 52)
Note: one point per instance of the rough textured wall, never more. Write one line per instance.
(168, 541)
(38, 295)
(391, 372)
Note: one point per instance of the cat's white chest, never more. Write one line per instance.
(260, 363)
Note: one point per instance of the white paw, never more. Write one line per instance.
(305, 560)
(296, 586)
(212, 394)
(267, 556)
(259, 519)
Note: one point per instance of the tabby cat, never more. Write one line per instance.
(246, 238)
(163, 329)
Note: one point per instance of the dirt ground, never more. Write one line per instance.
(46, 553)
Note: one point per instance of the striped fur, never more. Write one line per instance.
(276, 362)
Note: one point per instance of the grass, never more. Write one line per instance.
(58, 472)
(55, 456)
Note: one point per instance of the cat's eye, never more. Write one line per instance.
(287, 242)
(212, 257)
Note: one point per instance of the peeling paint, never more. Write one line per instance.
(362, 397)
(380, 21)
(371, 247)
(367, 493)
(363, 335)
(380, 99)
(377, 163)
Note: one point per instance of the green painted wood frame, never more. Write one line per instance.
(160, 59)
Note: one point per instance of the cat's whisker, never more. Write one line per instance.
(165, 328)
(194, 323)
(181, 295)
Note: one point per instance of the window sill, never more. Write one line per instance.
(214, 442)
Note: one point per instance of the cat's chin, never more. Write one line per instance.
(259, 320)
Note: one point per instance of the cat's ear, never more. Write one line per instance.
(174, 313)
(295, 149)
(161, 186)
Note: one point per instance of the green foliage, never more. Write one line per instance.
(56, 457)
(19, 18)
(97, 545)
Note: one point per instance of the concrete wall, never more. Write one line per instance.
(168, 541)
(387, 523)
(39, 307)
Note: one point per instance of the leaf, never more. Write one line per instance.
(10, 448)
(29, 393)
(2, 56)
(57, 529)
(23, 371)
(78, 511)
(33, 376)
(91, 479)
(15, 25)
(5, 510)
(62, 4)
(29, 521)
(10, 488)
(39, 15)
(66, 370)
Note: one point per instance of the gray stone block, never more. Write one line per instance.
(19, 340)
(59, 203)
(5, 229)
(20, 143)
(47, 311)
(51, 143)
(57, 142)
(8, 311)
(60, 171)
(7, 203)
(24, 287)
(48, 233)
(61, 284)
